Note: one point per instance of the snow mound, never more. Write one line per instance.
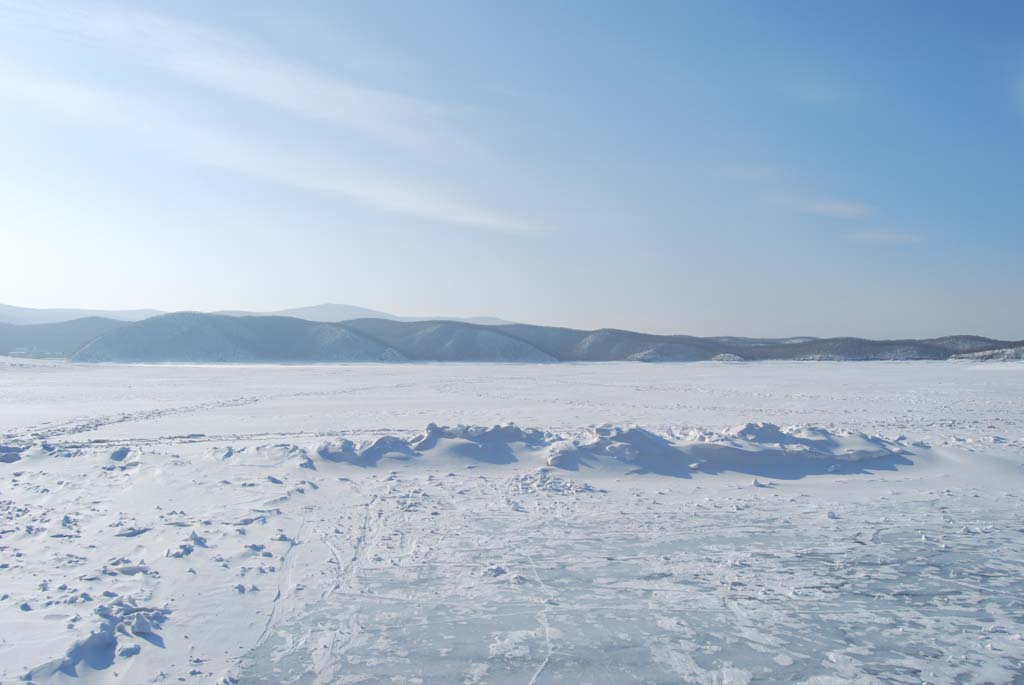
(45, 449)
(10, 454)
(367, 453)
(266, 455)
(754, 449)
(759, 449)
(813, 441)
(636, 448)
(495, 435)
(119, 622)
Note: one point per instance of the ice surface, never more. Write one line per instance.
(612, 523)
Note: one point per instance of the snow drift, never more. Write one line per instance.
(762, 449)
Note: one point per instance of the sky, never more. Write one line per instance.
(707, 168)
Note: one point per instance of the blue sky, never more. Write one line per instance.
(707, 168)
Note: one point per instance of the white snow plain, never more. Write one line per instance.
(805, 522)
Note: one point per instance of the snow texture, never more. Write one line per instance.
(707, 522)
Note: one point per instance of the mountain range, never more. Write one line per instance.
(325, 313)
(201, 337)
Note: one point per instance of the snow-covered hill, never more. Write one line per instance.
(324, 313)
(1004, 354)
(27, 315)
(192, 337)
(198, 337)
(62, 339)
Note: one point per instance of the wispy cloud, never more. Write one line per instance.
(157, 128)
(819, 91)
(885, 237)
(759, 174)
(810, 83)
(830, 207)
(837, 209)
(785, 189)
(1018, 86)
(233, 65)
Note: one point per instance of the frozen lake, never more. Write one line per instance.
(111, 401)
(676, 523)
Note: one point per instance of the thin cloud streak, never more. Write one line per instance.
(838, 209)
(234, 66)
(833, 208)
(1018, 89)
(819, 92)
(782, 188)
(156, 129)
(388, 117)
(885, 237)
